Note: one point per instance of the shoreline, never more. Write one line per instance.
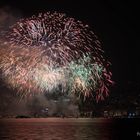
(51, 119)
(64, 120)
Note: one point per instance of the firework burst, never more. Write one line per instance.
(49, 51)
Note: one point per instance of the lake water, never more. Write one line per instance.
(69, 129)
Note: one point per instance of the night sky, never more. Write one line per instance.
(114, 22)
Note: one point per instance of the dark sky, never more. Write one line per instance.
(115, 23)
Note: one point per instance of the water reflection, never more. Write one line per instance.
(38, 129)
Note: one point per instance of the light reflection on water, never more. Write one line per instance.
(57, 129)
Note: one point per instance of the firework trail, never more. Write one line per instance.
(51, 51)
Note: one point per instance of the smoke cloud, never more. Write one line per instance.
(8, 17)
(36, 106)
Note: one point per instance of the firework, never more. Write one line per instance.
(52, 52)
